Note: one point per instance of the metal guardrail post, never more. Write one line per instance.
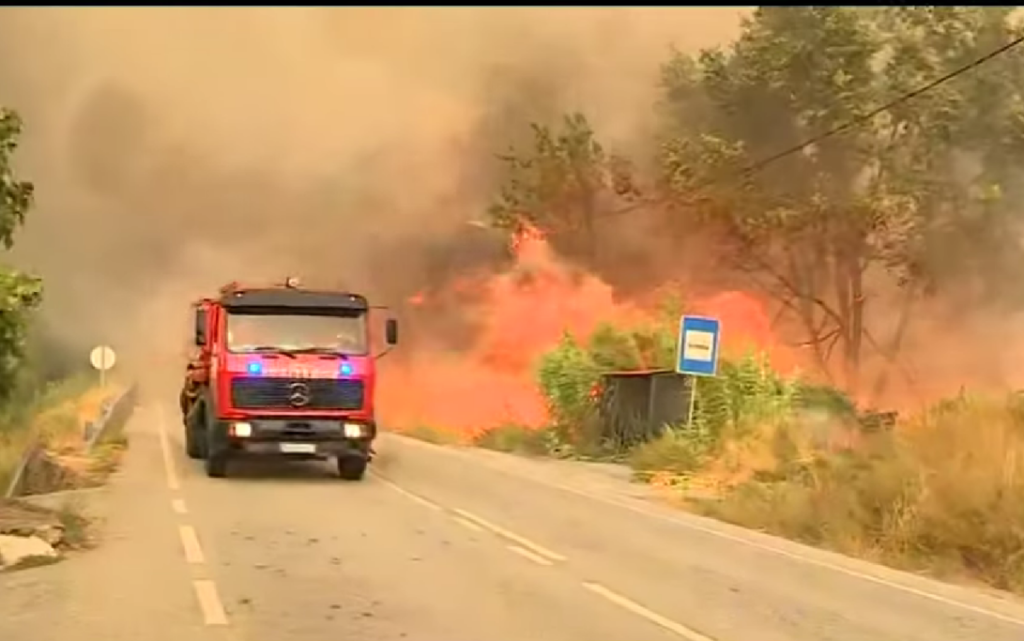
(14, 487)
(112, 410)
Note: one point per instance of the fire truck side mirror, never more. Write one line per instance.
(200, 328)
(391, 331)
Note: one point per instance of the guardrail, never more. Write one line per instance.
(115, 412)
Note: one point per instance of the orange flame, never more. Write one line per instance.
(523, 313)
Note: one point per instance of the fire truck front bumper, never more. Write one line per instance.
(300, 438)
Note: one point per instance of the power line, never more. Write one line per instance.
(870, 115)
(846, 126)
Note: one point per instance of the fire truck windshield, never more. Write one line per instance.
(296, 332)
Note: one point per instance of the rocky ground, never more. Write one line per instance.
(31, 535)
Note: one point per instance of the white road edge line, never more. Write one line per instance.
(931, 596)
(512, 536)
(209, 602)
(165, 450)
(179, 507)
(650, 615)
(469, 525)
(526, 554)
(190, 543)
(409, 495)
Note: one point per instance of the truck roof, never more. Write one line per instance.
(292, 297)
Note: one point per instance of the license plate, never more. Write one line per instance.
(298, 448)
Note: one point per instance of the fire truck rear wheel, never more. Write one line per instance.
(352, 468)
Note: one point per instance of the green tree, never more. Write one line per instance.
(889, 196)
(20, 293)
(562, 185)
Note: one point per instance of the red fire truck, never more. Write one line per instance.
(285, 371)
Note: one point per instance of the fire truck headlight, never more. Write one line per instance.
(241, 430)
(353, 430)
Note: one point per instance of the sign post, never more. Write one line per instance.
(102, 358)
(697, 352)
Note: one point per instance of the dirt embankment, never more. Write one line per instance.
(62, 435)
(74, 441)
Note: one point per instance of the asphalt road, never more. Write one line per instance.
(460, 545)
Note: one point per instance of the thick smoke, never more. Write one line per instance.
(177, 149)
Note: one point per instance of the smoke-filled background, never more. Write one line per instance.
(176, 149)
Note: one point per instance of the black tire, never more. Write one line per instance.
(217, 454)
(352, 468)
(217, 464)
(195, 433)
(183, 403)
(194, 444)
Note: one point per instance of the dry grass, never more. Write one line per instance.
(944, 492)
(522, 439)
(12, 447)
(434, 434)
(76, 526)
(56, 418)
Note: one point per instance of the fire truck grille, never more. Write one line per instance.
(259, 393)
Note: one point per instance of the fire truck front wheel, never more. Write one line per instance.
(195, 435)
(194, 444)
(217, 464)
(216, 444)
(352, 467)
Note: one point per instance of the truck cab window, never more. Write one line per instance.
(252, 332)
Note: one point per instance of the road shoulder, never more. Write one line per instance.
(110, 592)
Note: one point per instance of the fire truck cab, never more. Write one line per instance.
(282, 371)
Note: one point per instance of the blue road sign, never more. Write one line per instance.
(697, 349)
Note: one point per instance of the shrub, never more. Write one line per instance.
(567, 376)
(432, 434)
(746, 393)
(943, 492)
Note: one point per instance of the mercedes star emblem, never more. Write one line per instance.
(298, 394)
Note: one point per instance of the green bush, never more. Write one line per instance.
(676, 451)
(567, 375)
(745, 394)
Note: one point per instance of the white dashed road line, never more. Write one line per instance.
(209, 602)
(470, 521)
(469, 525)
(190, 543)
(208, 597)
(526, 554)
(650, 615)
(409, 495)
(523, 542)
(173, 483)
(741, 538)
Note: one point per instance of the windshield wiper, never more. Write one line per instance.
(327, 351)
(268, 349)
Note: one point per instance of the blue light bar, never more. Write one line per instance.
(345, 369)
(254, 367)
